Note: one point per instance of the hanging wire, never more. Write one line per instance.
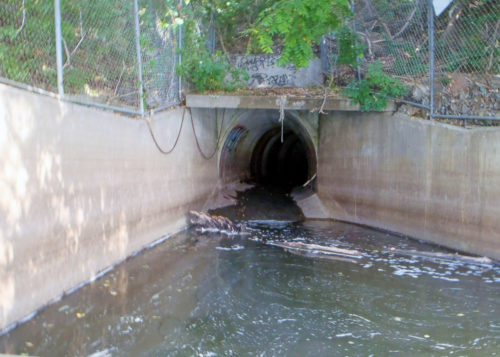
(282, 114)
(165, 152)
(208, 157)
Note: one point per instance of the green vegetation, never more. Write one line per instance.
(373, 91)
(350, 47)
(210, 72)
(97, 36)
(468, 39)
(22, 58)
(205, 71)
(466, 35)
(298, 25)
(99, 52)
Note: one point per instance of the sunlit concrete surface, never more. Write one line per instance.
(431, 181)
(81, 189)
(272, 102)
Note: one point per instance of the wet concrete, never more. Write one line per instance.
(215, 295)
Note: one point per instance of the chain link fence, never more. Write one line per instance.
(119, 54)
(450, 62)
(467, 59)
(158, 55)
(115, 53)
(27, 43)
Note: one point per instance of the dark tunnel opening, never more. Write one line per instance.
(282, 165)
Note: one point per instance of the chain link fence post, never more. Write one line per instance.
(179, 56)
(431, 58)
(111, 54)
(139, 57)
(353, 9)
(212, 42)
(59, 62)
(449, 61)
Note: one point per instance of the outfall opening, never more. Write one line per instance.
(254, 151)
(281, 164)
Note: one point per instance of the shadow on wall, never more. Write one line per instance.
(52, 201)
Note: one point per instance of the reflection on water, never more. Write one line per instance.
(212, 295)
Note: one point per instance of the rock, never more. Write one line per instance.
(458, 85)
(419, 92)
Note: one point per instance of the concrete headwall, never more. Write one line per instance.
(265, 72)
(81, 189)
(431, 181)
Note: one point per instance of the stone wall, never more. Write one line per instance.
(82, 189)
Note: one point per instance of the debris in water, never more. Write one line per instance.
(233, 247)
(318, 249)
(211, 223)
(103, 353)
(444, 256)
(63, 308)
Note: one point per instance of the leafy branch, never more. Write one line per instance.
(298, 25)
(373, 91)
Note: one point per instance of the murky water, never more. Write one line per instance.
(211, 295)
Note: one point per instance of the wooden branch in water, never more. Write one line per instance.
(316, 248)
(443, 256)
(315, 255)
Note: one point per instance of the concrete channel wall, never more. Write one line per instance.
(81, 189)
(431, 181)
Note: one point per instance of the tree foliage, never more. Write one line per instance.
(373, 91)
(205, 71)
(290, 27)
(298, 25)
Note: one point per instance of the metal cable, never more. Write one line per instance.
(166, 152)
(208, 157)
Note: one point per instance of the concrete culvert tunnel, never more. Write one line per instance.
(257, 149)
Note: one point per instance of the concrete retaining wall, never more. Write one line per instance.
(81, 189)
(428, 180)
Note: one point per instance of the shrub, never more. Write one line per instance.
(374, 89)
